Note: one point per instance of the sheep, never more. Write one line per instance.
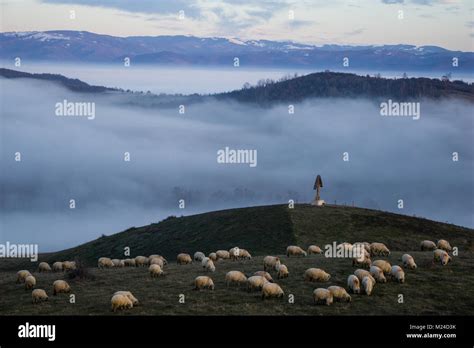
(339, 294)
(44, 267)
(222, 254)
(427, 245)
(105, 262)
(353, 283)
(244, 254)
(256, 283)
(316, 275)
(363, 260)
(58, 266)
(120, 302)
(234, 253)
(129, 263)
(155, 270)
(157, 261)
(282, 271)
(203, 282)
(377, 273)
(21, 276)
(151, 257)
(270, 262)
(264, 274)
(271, 290)
(441, 256)
(61, 286)
(30, 282)
(142, 261)
(235, 277)
(198, 256)
(323, 296)
(294, 250)
(368, 285)
(383, 265)
(118, 263)
(213, 256)
(398, 274)
(444, 245)
(184, 259)
(69, 265)
(379, 249)
(38, 295)
(361, 273)
(129, 295)
(408, 261)
(314, 249)
(209, 265)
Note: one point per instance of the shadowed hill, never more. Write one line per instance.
(268, 230)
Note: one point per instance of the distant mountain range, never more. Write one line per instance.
(82, 46)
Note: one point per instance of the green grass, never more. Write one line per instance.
(431, 289)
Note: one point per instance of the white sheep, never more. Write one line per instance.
(235, 277)
(198, 256)
(271, 290)
(69, 265)
(379, 249)
(244, 254)
(151, 257)
(264, 274)
(339, 294)
(213, 256)
(363, 260)
(44, 267)
(39, 295)
(142, 261)
(314, 249)
(129, 295)
(270, 262)
(105, 262)
(58, 266)
(378, 274)
(361, 273)
(203, 282)
(398, 274)
(444, 245)
(209, 265)
(61, 286)
(155, 270)
(222, 254)
(383, 265)
(368, 285)
(30, 282)
(129, 263)
(120, 302)
(118, 263)
(353, 283)
(441, 256)
(294, 250)
(21, 275)
(282, 271)
(234, 253)
(184, 259)
(256, 283)
(323, 296)
(157, 261)
(316, 275)
(427, 245)
(408, 261)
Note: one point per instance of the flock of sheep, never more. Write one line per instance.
(362, 281)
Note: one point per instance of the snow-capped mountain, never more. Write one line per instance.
(189, 50)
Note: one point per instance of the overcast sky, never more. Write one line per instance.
(446, 23)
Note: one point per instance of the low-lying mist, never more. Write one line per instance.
(173, 156)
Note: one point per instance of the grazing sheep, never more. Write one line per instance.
(377, 273)
(130, 262)
(203, 282)
(142, 261)
(316, 275)
(39, 295)
(339, 294)
(368, 285)
(256, 283)
(44, 267)
(444, 245)
(234, 253)
(120, 302)
(362, 261)
(270, 262)
(129, 295)
(244, 254)
(398, 274)
(58, 266)
(408, 261)
(21, 275)
(282, 271)
(379, 249)
(157, 261)
(264, 274)
(184, 259)
(294, 250)
(155, 270)
(235, 277)
(209, 265)
(105, 262)
(198, 256)
(383, 265)
(213, 256)
(361, 273)
(353, 283)
(323, 296)
(69, 265)
(30, 282)
(271, 290)
(314, 249)
(222, 254)
(61, 286)
(427, 245)
(441, 256)
(118, 263)
(151, 257)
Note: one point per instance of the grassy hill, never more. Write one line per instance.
(269, 230)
